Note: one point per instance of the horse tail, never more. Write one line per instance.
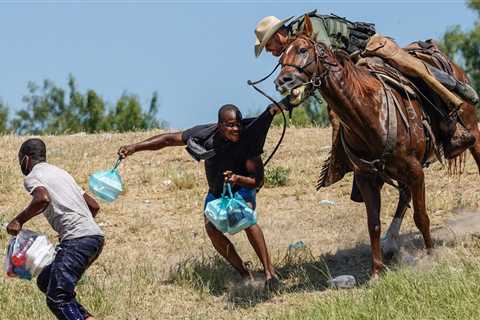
(456, 166)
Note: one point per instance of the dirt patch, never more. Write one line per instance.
(457, 230)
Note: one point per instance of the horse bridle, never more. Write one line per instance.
(316, 82)
(317, 77)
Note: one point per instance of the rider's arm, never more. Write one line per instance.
(154, 143)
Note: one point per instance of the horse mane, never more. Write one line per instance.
(359, 81)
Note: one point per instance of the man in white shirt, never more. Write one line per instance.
(70, 211)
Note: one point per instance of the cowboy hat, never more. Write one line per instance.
(265, 29)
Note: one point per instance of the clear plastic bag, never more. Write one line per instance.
(106, 185)
(27, 254)
(343, 282)
(230, 214)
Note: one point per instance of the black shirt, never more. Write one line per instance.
(230, 155)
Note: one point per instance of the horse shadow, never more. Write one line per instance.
(299, 271)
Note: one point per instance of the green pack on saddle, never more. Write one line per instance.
(334, 31)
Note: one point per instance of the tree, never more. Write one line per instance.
(4, 111)
(34, 118)
(127, 114)
(151, 120)
(464, 46)
(51, 110)
(93, 113)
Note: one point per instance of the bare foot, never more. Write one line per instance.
(272, 284)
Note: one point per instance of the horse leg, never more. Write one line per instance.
(390, 244)
(475, 149)
(370, 189)
(417, 189)
(467, 114)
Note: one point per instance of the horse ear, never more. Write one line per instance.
(308, 28)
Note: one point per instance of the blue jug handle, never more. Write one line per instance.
(117, 163)
(227, 187)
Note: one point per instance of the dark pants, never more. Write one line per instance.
(58, 280)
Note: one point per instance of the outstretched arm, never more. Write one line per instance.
(39, 203)
(154, 143)
(253, 180)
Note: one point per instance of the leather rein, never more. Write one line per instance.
(289, 108)
(284, 129)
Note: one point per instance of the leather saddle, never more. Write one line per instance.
(337, 164)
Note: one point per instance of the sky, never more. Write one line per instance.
(198, 55)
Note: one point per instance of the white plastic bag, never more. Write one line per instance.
(343, 282)
(27, 254)
(40, 254)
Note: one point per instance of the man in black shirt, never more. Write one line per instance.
(231, 150)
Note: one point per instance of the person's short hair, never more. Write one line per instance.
(226, 108)
(35, 148)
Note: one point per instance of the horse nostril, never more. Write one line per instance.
(278, 84)
(287, 79)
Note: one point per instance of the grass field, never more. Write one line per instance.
(158, 262)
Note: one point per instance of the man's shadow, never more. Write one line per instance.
(299, 271)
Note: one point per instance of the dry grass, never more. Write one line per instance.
(158, 262)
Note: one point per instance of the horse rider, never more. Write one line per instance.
(356, 38)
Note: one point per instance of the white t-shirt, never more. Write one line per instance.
(68, 212)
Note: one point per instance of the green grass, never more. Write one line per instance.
(276, 176)
(28, 300)
(446, 291)
(158, 262)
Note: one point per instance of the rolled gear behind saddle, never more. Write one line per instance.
(464, 90)
(410, 66)
(454, 142)
(441, 68)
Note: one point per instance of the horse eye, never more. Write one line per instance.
(303, 50)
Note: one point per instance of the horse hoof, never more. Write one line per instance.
(388, 255)
(389, 249)
(374, 278)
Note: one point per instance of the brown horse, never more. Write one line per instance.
(381, 143)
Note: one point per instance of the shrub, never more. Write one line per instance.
(276, 177)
